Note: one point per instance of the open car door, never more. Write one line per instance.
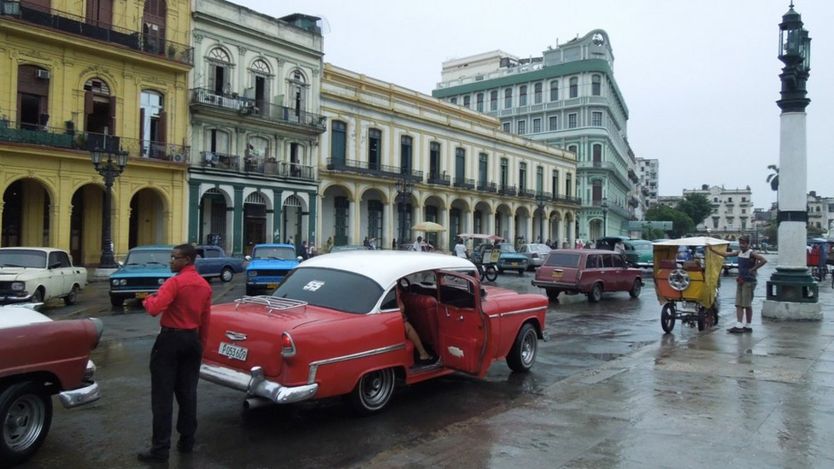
(463, 330)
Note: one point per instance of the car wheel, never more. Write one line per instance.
(25, 417)
(117, 300)
(667, 317)
(552, 294)
(373, 391)
(523, 354)
(490, 273)
(714, 312)
(38, 296)
(596, 293)
(636, 287)
(702, 319)
(72, 298)
(227, 275)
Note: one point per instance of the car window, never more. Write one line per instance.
(607, 260)
(456, 291)
(22, 258)
(507, 247)
(562, 259)
(328, 288)
(618, 261)
(148, 256)
(390, 300)
(270, 252)
(212, 253)
(523, 249)
(593, 262)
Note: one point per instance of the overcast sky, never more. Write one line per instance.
(700, 79)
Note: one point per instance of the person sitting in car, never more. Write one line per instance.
(424, 357)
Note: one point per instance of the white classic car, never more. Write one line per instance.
(36, 275)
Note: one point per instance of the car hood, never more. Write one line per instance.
(18, 273)
(256, 264)
(513, 256)
(143, 270)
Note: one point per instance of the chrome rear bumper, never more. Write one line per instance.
(255, 384)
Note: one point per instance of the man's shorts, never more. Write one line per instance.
(744, 294)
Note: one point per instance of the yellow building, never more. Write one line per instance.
(82, 76)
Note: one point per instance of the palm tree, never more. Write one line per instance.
(773, 178)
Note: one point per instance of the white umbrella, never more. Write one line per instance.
(428, 227)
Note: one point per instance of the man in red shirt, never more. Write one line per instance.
(184, 301)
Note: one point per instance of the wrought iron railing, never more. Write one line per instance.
(268, 167)
(464, 183)
(524, 192)
(487, 187)
(506, 190)
(441, 179)
(260, 109)
(364, 167)
(73, 24)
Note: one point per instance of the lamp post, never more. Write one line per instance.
(604, 206)
(404, 189)
(792, 294)
(109, 169)
(540, 204)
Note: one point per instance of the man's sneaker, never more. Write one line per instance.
(746, 329)
(152, 457)
(736, 330)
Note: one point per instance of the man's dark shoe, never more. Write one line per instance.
(746, 329)
(185, 447)
(151, 457)
(736, 330)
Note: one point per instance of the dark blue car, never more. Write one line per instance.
(268, 265)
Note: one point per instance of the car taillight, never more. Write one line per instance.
(287, 345)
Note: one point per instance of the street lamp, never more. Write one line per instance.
(604, 206)
(404, 189)
(109, 169)
(540, 204)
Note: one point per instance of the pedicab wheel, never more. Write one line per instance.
(702, 319)
(667, 317)
(490, 273)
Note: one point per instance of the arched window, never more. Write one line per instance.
(260, 85)
(99, 108)
(554, 90)
(152, 123)
(297, 86)
(219, 72)
(574, 87)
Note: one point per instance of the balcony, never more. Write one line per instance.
(487, 187)
(439, 179)
(464, 183)
(77, 25)
(242, 106)
(377, 170)
(567, 199)
(506, 190)
(31, 134)
(524, 192)
(257, 166)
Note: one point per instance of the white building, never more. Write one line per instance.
(732, 211)
(568, 98)
(392, 157)
(647, 173)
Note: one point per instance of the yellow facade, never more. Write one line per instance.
(45, 164)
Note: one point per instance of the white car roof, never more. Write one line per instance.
(693, 241)
(385, 267)
(20, 315)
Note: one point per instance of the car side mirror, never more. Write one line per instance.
(54, 265)
(300, 258)
(247, 258)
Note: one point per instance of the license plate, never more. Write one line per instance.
(271, 285)
(142, 295)
(557, 274)
(513, 263)
(233, 351)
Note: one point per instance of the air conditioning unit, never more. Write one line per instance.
(178, 158)
(43, 74)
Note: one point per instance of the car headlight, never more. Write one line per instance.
(18, 286)
(160, 281)
(123, 282)
(252, 273)
(114, 282)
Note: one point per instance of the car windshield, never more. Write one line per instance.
(22, 258)
(539, 248)
(333, 289)
(562, 259)
(642, 245)
(265, 252)
(148, 256)
(507, 247)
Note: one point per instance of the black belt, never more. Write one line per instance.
(174, 329)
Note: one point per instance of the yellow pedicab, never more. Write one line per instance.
(688, 288)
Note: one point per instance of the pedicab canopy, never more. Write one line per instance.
(703, 275)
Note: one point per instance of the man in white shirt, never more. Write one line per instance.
(460, 249)
(418, 245)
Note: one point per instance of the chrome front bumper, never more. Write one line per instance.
(255, 384)
(85, 395)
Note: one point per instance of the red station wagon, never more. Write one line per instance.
(333, 327)
(589, 271)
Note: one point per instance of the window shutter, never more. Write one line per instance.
(112, 127)
(163, 127)
(88, 106)
(141, 124)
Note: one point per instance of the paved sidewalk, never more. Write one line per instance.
(700, 400)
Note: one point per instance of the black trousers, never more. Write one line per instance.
(175, 370)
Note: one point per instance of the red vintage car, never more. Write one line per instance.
(333, 327)
(588, 271)
(40, 357)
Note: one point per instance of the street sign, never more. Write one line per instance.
(643, 224)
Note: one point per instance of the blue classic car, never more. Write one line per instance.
(147, 267)
(508, 259)
(268, 265)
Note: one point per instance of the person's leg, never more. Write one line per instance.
(163, 377)
(739, 327)
(188, 374)
(414, 337)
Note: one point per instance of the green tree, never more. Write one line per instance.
(697, 206)
(681, 222)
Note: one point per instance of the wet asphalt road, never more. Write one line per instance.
(324, 433)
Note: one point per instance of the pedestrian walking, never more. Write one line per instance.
(460, 248)
(302, 251)
(748, 263)
(184, 303)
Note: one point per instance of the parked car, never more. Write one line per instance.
(212, 262)
(268, 265)
(348, 247)
(141, 273)
(333, 327)
(32, 274)
(588, 271)
(509, 259)
(642, 253)
(731, 262)
(535, 253)
(40, 358)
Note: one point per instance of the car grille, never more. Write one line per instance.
(144, 282)
(272, 272)
(5, 285)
